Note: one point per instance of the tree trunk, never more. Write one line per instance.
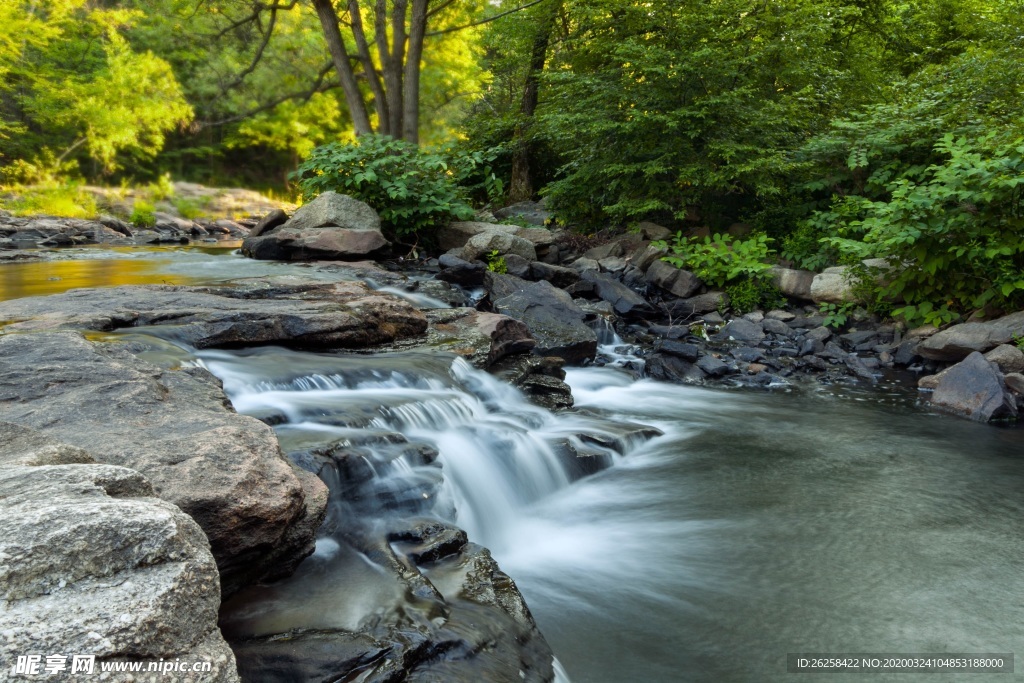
(521, 185)
(339, 55)
(411, 86)
(398, 37)
(380, 100)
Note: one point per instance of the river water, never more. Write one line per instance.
(822, 519)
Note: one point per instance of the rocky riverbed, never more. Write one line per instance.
(97, 435)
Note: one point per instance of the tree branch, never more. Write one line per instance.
(485, 20)
(318, 86)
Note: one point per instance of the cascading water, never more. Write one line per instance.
(753, 526)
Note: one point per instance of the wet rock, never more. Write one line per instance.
(714, 367)
(223, 469)
(480, 629)
(482, 338)
(678, 282)
(669, 368)
(974, 388)
(858, 367)
(742, 331)
(97, 565)
(624, 300)
(331, 227)
(811, 347)
(747, 354)
(688, 352)
(461, 272)
(303, 315)
(556, 323)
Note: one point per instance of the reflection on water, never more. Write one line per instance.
(40, 278)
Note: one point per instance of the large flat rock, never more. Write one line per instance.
(959, 341)
(301, 314)
(175, 427)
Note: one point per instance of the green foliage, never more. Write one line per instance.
(66, 200)
(496, 262)
(413, 190)
(143, 214)
(162, 189)
(71, 82)
(1019, 342)
(189, 209)
(836, 315)
(754, 293)
(719, 259)
(808, 247)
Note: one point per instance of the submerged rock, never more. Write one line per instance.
(479, 337)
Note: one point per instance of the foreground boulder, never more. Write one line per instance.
(223, 469)
(297, 314)
(556, 323)
(96, 565)
(331, 227)
(974, 388)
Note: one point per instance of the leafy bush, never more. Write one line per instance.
(189, 209)
(754, 293)
(836, 315)
(143, 214)
(957, 231)
(413, 190)
(719, 259)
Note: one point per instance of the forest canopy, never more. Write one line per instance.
(839, 129)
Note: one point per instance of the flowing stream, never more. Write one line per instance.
(717, 530)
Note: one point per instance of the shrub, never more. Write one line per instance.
(496, 263)
(754, 293)
(66, 201)
(413, 190)
(143, 214)
(719, 259)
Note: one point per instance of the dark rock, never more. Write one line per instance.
(777, 327)
(714, 367)
(819, 333)
(807, 322)
(272, 220)
(556, 323)
(747, 354)
(115, 224)
(670, 331)
(906, 353)
(517, 265)
(559, 276)
(858, 368)
(811, 347)
(582, 289)
(625, 301)
(974, 388)
(697, 305)
(741, 330)
(1008, 358)
(461, 272)
(669, 368)
(858, 337)
(688, 352)
(678, 282)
